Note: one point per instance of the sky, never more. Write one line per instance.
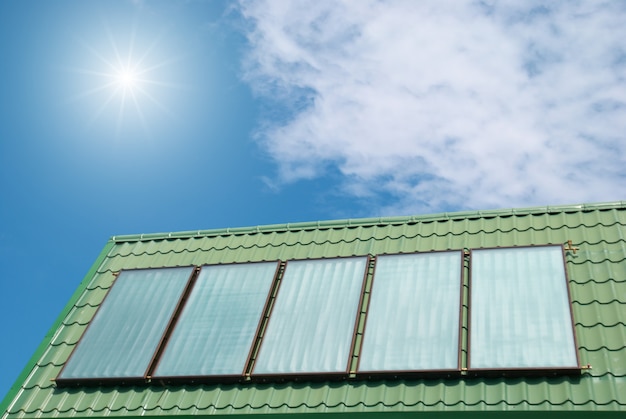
(125, 117)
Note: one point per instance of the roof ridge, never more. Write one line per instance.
(362, 222)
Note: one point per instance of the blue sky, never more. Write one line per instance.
(155, 116)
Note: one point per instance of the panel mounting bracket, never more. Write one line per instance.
(570, 247)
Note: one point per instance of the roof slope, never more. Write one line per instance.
(597, 274)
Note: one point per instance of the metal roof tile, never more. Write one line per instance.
(127, 399)
(604, 293)
(32, 400)
(81, 315)
(608, 312)
(68, 335)
(99, 399)
(93, 298)
(102, 281)
(186, 398)
(605, 361)
(612, 338)
(56, 355)
(43, 380)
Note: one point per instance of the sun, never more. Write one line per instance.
(125, 80)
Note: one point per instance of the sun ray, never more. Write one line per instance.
(140, 113)
(157, 103)
(163, 84)
(96, 54)
(120, 115)
(131, 44)
(162, 63)
(115, 49)
(133, 78)
(102, 108)
(93, 91)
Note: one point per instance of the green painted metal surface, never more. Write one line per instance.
(597, 281)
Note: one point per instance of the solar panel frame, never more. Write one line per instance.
(257, 375)
(458, 301)
(573, 369)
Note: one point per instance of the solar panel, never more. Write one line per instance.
(414, 313)
(312, 323)
(218, 324)
(519, 309)
(125, 332)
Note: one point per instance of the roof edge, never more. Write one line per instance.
(360, 222)
(17, 385)
(466, 414)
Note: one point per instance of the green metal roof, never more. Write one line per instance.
(597, 275)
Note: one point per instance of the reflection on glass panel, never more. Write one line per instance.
(126, 330)
(217, 326)
(413, 317)
(520, 312)
(311, 325)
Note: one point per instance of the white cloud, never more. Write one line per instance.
(445, 104)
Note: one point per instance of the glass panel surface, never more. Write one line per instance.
(217, 326)
(413, 317)
(311, 326)
(520, 312)
(126, 330)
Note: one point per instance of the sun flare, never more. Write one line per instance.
(128, 81)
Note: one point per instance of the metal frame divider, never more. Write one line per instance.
(172, 323)
(262, 326)
(361, 317)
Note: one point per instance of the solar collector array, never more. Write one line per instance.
(303, 317)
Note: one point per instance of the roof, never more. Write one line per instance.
(597, 276)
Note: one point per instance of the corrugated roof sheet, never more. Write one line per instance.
(597, 274)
